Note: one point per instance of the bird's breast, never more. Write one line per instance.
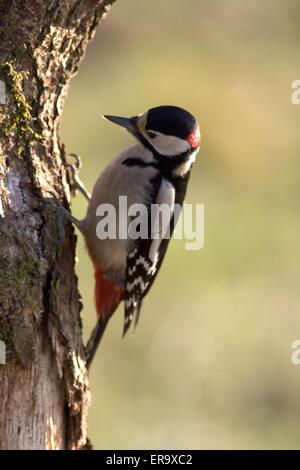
(118, 188)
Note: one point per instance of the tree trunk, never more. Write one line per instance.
(44, 393)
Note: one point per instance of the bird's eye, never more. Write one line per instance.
(152, 135)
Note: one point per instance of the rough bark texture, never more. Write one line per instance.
(44, 393)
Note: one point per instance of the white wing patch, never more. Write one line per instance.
(165, 202)
(142, 267)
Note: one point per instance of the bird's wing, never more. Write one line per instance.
(144, 260)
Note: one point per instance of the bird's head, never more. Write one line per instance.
(167, 130)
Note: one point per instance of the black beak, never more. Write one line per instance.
(128, 123)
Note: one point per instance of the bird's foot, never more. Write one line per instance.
(62, 215)
(73, 177)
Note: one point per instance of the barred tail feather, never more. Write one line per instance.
(132, 313)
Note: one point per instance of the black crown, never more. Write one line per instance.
(171, 120)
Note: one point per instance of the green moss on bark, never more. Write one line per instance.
(15, 288)
(19, 120)
(16, 279)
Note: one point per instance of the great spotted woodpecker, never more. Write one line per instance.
(155, 170)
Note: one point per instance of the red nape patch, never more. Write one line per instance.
(107, 294)
(194, 138)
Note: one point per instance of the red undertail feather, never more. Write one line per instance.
(107, 294)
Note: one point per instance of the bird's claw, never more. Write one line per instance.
(73, 177)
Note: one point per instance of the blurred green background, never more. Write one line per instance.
(210, 363)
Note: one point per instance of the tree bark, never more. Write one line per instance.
(44, 393)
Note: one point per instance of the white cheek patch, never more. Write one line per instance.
(142, 121)
(167, 144)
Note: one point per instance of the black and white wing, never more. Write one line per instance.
(144, 260)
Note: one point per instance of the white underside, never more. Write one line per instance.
(122, 180)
